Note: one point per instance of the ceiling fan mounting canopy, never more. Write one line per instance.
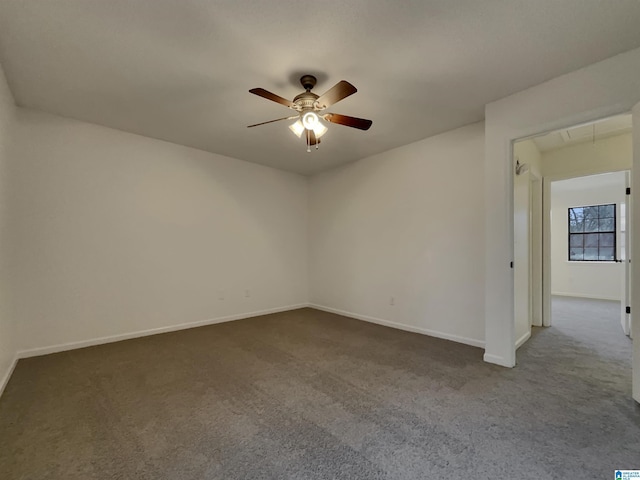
(306, 101)
(308, 81)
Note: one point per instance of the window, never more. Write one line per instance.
(592, 233)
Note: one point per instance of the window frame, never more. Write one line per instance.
(614, 231)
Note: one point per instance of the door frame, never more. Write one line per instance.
(536, 251)
(627, 217)
(532, 291)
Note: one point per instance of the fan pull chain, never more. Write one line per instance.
(308, 142)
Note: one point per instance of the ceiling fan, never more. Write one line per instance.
(309, 109)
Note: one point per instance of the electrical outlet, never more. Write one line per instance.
(392, 301)
(247, 293)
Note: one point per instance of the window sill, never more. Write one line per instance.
(582, 262)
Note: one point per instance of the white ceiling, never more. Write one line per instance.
(180, 70)
(590, 132)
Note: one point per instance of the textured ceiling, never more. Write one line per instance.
(591, 132)
(180, 70)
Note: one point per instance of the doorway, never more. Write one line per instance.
(587, 229)
(577, 161)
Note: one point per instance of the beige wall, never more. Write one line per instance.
(584, 279)
(605, 155)
(580, 161)
(7, 331)
(407, 224)
(114, 233)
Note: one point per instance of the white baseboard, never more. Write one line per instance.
(402, 326)
(5, 379)
(35, 352)
(523, 339)
(497, 360)
(582, 295)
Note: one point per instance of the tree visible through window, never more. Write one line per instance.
(592, 233)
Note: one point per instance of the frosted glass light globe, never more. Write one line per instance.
(309, 120)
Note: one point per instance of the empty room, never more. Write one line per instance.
(281, 240)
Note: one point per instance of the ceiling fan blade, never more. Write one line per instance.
(339, 91)
(354, 122)
(271, 121)
(261, 92)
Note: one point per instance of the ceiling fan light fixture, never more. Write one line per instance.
(307, 105)
(310, 120)
(297, 128)
(319, 129)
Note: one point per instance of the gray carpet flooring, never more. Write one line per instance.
(312, 395)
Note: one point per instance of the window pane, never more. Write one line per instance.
(591, 240)
(575, 254)
(576, 220)
(591, 224)
(591, 254)
(606, 254)
(606, 211)
(607, 224)
(590, 213)
(607, 239)
(576, 240)
(577, 212)
(576, 226)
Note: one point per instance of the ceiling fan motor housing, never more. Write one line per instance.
(305, 101)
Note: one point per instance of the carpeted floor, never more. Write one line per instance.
(311, 395)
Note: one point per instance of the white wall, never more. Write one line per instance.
(526, 153)
(408, 224)
(584, 279)
(7, 332)
(114, 233)
(599, 90)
